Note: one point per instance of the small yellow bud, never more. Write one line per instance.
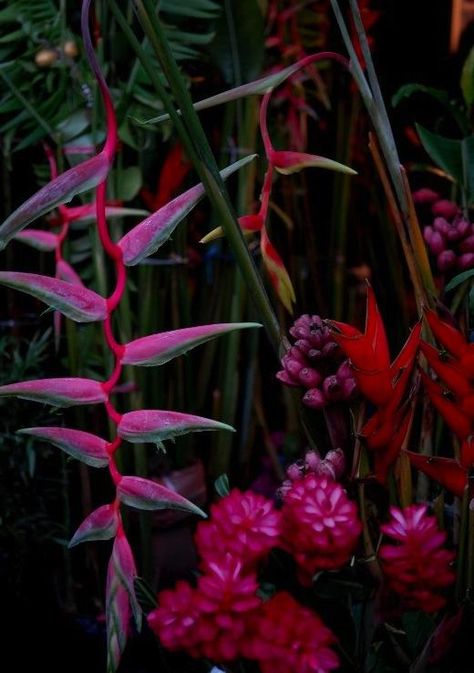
(45, 58)
(70, 49)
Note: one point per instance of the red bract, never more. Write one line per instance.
(174, 170)
(453, 397)
(244, 525)
(383, 383)
(320, 526)
(285, 636)
(416, 565)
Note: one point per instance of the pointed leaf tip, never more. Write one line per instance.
(149, 495)
(157, 426)
(75, 301)
(101, 524)
(286, 162)
(83, 446)
(60, 190)
(157, 349)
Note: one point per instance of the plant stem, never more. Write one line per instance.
(206, 167)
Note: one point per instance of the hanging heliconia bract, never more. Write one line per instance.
(74, 300)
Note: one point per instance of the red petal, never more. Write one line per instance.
(446, 471)
(375, 332)
(459, 423)
(448, 336)
(450, 374)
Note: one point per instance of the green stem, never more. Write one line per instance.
(193, 137)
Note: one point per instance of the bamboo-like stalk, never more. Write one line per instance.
(197, 147)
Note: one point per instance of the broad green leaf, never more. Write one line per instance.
(458, 279)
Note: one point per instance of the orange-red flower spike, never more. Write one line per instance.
(449, 373)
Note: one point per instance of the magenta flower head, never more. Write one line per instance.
(174, 620)
(320, 525)
(416, 566)
(244, 525)
(286, 636)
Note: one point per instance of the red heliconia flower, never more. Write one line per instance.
(174, 620)
(244, 525)
(415, 564)
(383, 383)
(285, 636)
(319, 525)
(453, 396)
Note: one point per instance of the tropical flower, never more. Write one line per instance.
(317, 363)
(331, 466)
(383, 383)
(415, 564)
(320, 526)
(285, 636)
(244, 525)
(174, 620)
(453, 397)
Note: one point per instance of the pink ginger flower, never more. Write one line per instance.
(416, 566)
(244, 525)
(174, 620)
(320, 525)
(225, 597)
(286, 636)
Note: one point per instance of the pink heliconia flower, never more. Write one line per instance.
(244, 525)
(320, 526)
(285, 636)
(415, 564)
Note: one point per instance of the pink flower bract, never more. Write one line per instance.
(416, 566)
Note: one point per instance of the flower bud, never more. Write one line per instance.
(330, 349)
(312, 461)
(436, 243)
(295, 472)
(314, 399)
(466, 261)
(344, 372)
(336, 458)
(45, 58)
(463, 226)
(310, 377)
(446, 260)
(349, 389)
(442, 225)
(287, 378)
(445, 208)
(70, 49)
(425, 196)
(332, 388)
(468, 244)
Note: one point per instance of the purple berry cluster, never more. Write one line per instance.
(331, 466)
(317, 363)
(450, 236)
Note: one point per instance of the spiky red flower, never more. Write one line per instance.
(320, 525)
(286, 636)
(416, 565)
(244, 525)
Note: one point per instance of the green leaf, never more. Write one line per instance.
(146, 596)
(197, 9)
(222, 485)
(408, 90)
(128, 182)
(418, 626)
(238, 46)
(467, 79)
(458, 279)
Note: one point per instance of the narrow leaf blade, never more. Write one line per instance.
(84, 446)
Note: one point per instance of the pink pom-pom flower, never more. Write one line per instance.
(320, 525)
(244, 525)
(286, 636)
(415, 564)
